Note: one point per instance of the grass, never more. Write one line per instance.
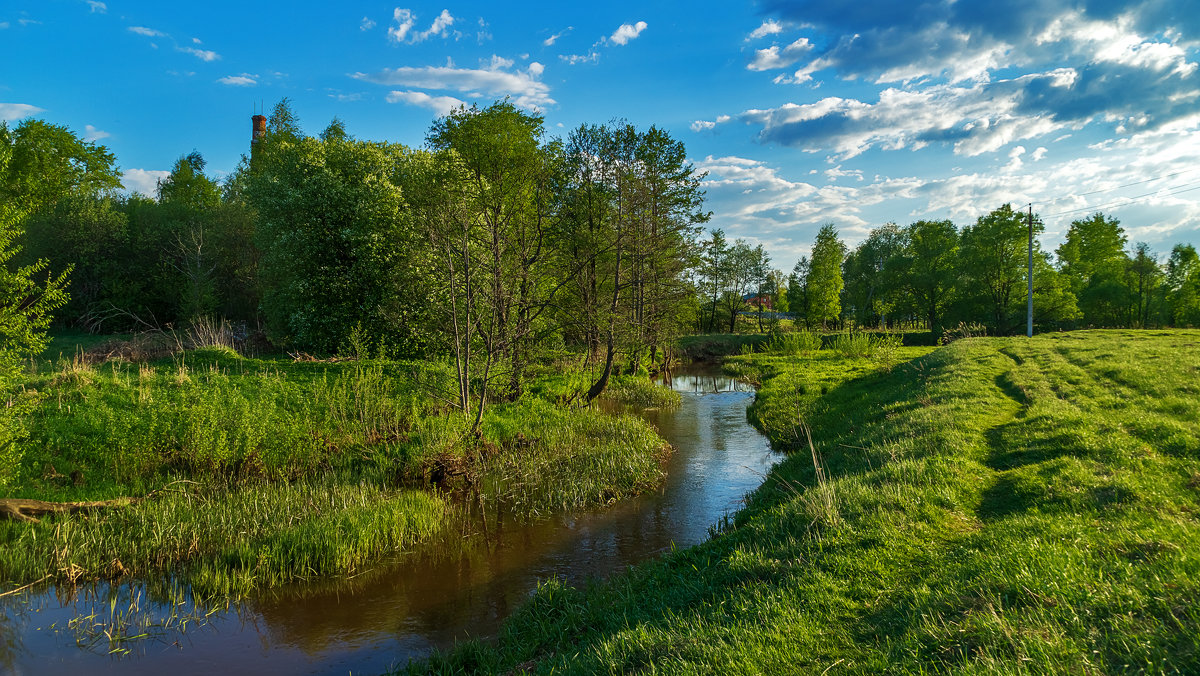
(264, 472)
(996, 506)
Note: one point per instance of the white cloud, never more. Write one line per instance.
(366, 25)
(575, 59)
(442, 105)
(10, 112)
(148, 32)
(707, 125)
(16, 111)
(768, 27)
(554, 38)
(497, 63)
(526, 90)
(97, 6)
(93, 134)
(773, 57)
(202, 54)
(243, 80)
(405, 20)
(144, 181)
(626, 32)
(439, 26)
(1039, 153)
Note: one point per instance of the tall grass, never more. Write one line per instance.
(228, 542)
(548, 458)
(279, 471)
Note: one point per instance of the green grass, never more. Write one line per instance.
(996, 506)
(264, 472)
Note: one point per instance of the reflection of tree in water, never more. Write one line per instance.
(14, 624)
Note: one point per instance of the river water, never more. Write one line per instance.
(405, 609)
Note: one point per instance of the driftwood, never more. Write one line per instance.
(22, 509)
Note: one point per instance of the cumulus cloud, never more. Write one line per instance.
(404, 21)
(91, 133)
(496, 81)
(16, 111)
(97, 6)
(775, 57)
(442, 105)
(983, 116)
(768, 27)
(627, 32)
(708, 125)
(243, 80)
(144, 181)
(1124, 56)
(367, 24)
(753, 199)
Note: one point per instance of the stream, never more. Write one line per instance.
(404, 609)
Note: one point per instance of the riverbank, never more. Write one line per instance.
(998, 505)
(245, 474)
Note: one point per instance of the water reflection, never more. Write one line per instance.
(404, 610)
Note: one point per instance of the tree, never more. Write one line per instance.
(1183, 286)
(188, 200)
(25, 306)
(47, 162)
(797, 293)
(825, 276)
(994, 264)
(1144, 279)
(870, 291)
(1093, 259)
(927, 268)
(337, 249)
(510, 179)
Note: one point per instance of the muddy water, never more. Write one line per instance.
(403, 610)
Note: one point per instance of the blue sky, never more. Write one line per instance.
(855, 113)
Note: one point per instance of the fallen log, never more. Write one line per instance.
(23, 509)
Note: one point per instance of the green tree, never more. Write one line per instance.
(510, 174)
(1094, 261)
(26, 304)
(1183, 286)
(797, 291)
(825, 276)
(48, 162)
(927, 268)
(189, 200)
(870, 291)
(993, 259)
(1144, 279)
(337, 248)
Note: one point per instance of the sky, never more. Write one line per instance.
(801, 112)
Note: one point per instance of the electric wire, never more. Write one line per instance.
(1125, 201)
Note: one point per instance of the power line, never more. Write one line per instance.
(1187, 187)
(1145, 180)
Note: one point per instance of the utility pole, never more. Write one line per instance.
(1029, 308)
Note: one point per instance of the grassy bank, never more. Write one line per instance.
(995, 506)
(261, 472)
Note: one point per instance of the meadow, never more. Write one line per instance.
(999, 505)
